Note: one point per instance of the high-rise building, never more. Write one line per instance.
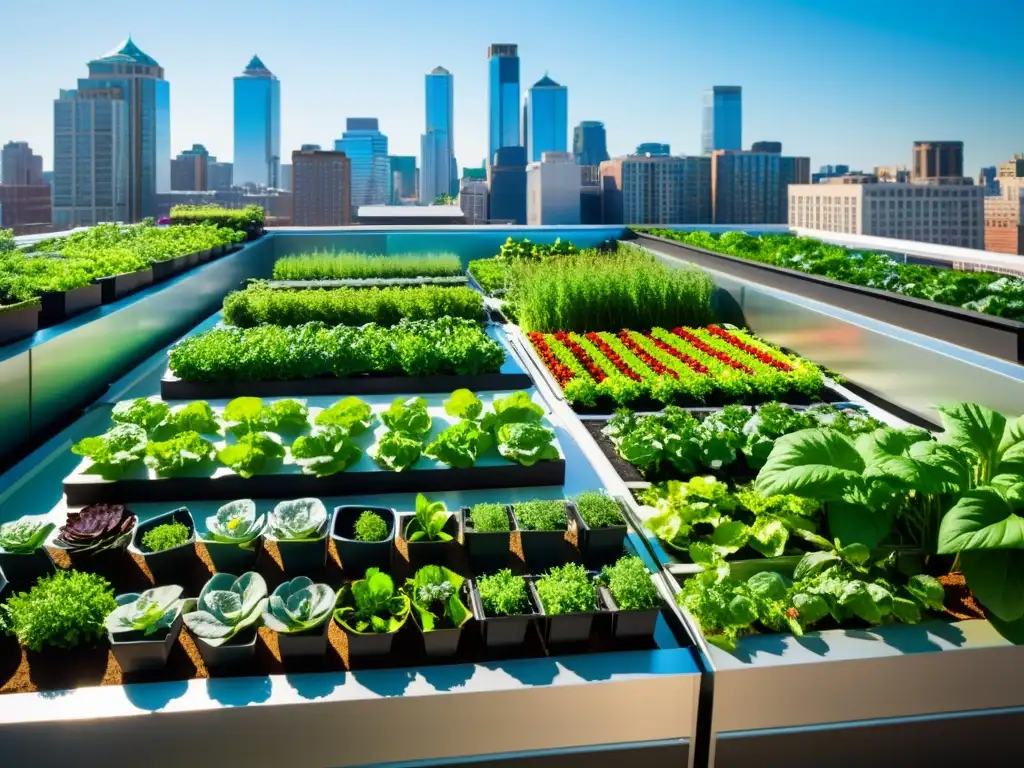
(143, 124)
(473, 199)
(1011, 169)
(286, 177)
(723, 118)
(656, 190)
(321, 195)
(553, 190)
(938, 160)
(257, 127)
(19, 165)
(437, 144)
(403, 178)
(526, 122)
(751, 187)
(506, 186)
(220, 176)
(988, 177)
(774, 147)
(190, 170)
(549, 118)
(367, 151)
(653, 149)
(503, 96)
(590, 143)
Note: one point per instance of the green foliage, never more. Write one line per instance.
(325, 451)
(236, 219)
(115, 451)
(503, 594)
(370, 605)
(409, 416)
(348, 265)
(166, 536)
(236, 523)
(181, 453)
(261, 305)
(541, 515)
(24, 535)
(268, 352)
(434, 593)
(143, 412)
(461, 444)
(513, 251)
(298, 520)
(526, 443)
(491, 274)
(149, 612)
(429, 522)
(396, 451)
(64, 610)
(599, 510)
(226, 606)
(251, 454)
(370, 527)
(489, 518)
(630, 583)
(566, 589)
(298, 605)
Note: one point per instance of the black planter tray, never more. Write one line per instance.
(373, 282)
(116, 287)
(173, 388)
(58, 306)
(19, 322)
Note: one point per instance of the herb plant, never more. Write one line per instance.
(226, 606)
(236, 523)
(298, 605)
(503, 594)
(298, 520)
(370, 527)
(149, 612)
(96, 528)
(166, 536)
(630, 583)
(429, 522)
(489, 518)
(350, 265)
(370, 605)
(541, 515)
(434, 594)
(25, 535)
(566, 589)
(599, 510)
(63, 610)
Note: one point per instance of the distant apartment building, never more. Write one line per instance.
(938, 160)
(219, 176)
(437, 144)
(25, 208)
(1004, 210)
(722, 119)
(656, 190)
(553, 190)
(750, 187)
(654, 149)
(503, 97)
(321, 189)
(190, 170)
(473, 199)
(506, 186)
(20, 166)
(590, 143)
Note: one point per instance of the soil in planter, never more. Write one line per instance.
(960, 602)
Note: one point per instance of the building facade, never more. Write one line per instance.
(502, 96)
(938, 160)
(723, 118)
(257, 127)
(656, 190)
(221, 175)
(321, 194)
(654, 149)
(553, 189)
(190, 170)
(20, 166)
(506, 186)
(403, 178)
(367, 151)
(437, 144)
(747, 188)
(548, 118)
(473, 200)
(286, 177)
(1004, 210)
(25, 208)
(590, 194)
(590, 143)
(129, 76)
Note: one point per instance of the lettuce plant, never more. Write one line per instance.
(96, 528)
(249, 414)
(298, 605)
(298, 520)
(149, 612)
(142, 412)
(236, 523)
(187, 450)
(503, 594)
(370, 527)
(460, 445)
(428, 525)
(251, 454)
(64, 610)
(226, 606)
(396, 451)
(25, 535)
(351, 414)
(566, 589)
(196, 416)
(370, 605)
(327, 450)
(115, 451)
(527, 443)
(434, 593)
(630, 583)
(408, 416)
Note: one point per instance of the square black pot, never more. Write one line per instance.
(302, 556)
(312, 642)
(19, 323)
(488, 551)
(565, 628)
(165, 270)
(22, 571)
(238, 650)
(375, 644)
(431, 552)
(137, 652)
(116, 287)
(232, 558)
(169, 565)
(502, 631)
(190, 260)
(630, 624)
(598, 546)
(357, 556)
(58, 306)
(541, 549)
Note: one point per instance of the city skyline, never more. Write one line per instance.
(945, 83)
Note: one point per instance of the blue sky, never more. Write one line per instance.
(838, 80)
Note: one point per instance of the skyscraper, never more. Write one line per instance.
(549, 118)
(506, 185)
(94, 141)
(503, 96)
(403, 178)
(938, 160)
(22, 167)
(590, 143)
(367, 151)
(723, 118)
(257, 127)
(321, 189)
(437, 145)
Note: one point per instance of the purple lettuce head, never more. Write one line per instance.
(96, 528)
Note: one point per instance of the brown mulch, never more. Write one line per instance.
(960, 602)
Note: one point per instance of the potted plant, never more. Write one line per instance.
(567, 596)
(488, 530)
(601, 528)
(430, 532)
(144, 627)
(628, 591)
(63, 611)
(300, 611)
(300, 529)
(542, 524)
(370, 612)
(225, 618)
(504, 608)
(364, 537)
(233, 536)
(435, 594)
(97, 535)
(23, 556)
(166, 543)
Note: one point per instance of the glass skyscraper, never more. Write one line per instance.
(367, 150)
(437, 145)
(549, 118)
(723, 118)
(257, 127)
(92, 151)
(590, 143)
(503, 96)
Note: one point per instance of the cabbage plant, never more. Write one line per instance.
(298, 520)
(149, 612)
(96, 528)
(235, 523)
(298, 605)
(227, 606)
(24, 536)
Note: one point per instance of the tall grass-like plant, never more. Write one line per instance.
(326, 265)
(593, 291)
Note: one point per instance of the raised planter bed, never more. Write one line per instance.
(987, 334)
(116, 287)
(58, 306)
(165, 270)
(18, 321)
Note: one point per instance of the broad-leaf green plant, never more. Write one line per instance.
(298, 605)
(227, 606)
(25, 535)
(236, 523)
(370, 605)
(298, 520)
(149, 612)
(429, 522)
(435, 595)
